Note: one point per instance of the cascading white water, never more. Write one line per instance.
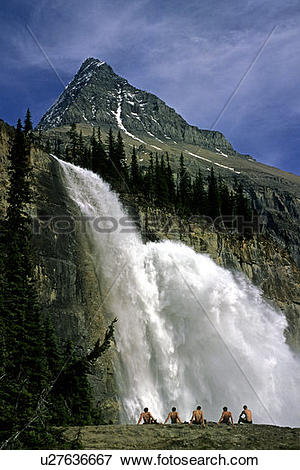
(189, 331)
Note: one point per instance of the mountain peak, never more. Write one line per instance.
(97, 96)
(91, 62)
(88, 68)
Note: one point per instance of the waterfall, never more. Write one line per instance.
(189, 332)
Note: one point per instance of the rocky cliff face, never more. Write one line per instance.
(67, 284)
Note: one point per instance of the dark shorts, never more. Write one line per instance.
(244, 421)
(225, 421)
(198, 422)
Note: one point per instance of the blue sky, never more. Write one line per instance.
(190, 53)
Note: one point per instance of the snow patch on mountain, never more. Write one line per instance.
(221, 153)
(213, 163)
(153, 119)
(228, 168)
(157, 148)
(117, 115)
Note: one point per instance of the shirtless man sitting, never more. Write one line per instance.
(174, 416)
(245, 416)
(226, 417)
(147, 417)
(197, 417)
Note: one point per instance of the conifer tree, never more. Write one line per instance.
(162, 183)
(99, 161)
(87, 158)
(183, 188)
(170, 183)
(80, 150)
(3, 353)
(73, 385)
(120, 162)
(72, 147)
(135, 175)
(4, 390)
(111, 147)
(199, 196)
(58, 413)
(52, 350)
(156, 179)
(94, 155)
(242, 206)
(149, 180)
(120, 153)
(26, 372)
(27, 122)
(115, 169)
(213, 196)
(226, 200)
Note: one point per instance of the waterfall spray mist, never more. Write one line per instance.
(189, 331)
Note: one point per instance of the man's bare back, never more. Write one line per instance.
(147, 417)
(197, 417)
(174, 416)
(247, 414)
(226, 417)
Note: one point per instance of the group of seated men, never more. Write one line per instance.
(198, 417)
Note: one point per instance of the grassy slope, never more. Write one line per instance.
(249, 168)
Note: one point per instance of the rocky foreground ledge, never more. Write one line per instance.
(159, 437)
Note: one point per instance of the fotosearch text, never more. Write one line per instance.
(67, 224)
